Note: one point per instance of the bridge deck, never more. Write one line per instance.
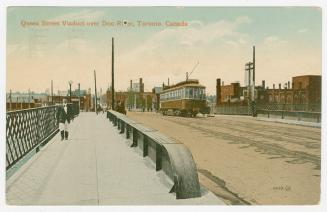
(94, 167)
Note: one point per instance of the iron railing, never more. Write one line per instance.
(232, 110)
(290, 107)
(248, 110)
(28, 129)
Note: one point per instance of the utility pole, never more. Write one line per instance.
(51, 92)
(79, 96)
(29, 98)
(70, 90)
(10, 106)
(248, 68)
(251, 88)
(112, 75)
(96, 97)
(253, 68)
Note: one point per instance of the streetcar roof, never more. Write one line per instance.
(183, 86)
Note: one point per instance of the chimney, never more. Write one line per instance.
(130, 86)
(274, 86)
(263, 84)
(279, 86)
(141, 86)
(288, 85)
(218, 92)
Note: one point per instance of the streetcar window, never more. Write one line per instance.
(191, 93)
(196, 93)
(201, 93)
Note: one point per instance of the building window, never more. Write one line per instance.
(295, 99)
(282, 99)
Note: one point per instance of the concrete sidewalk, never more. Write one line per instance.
(94, 167)
(290, 121)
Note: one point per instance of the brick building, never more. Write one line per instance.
(304, 94)
(135, 97)
(230, 93)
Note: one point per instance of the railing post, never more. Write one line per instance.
(158, 157)
(145, 146)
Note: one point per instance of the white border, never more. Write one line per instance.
(5, 3)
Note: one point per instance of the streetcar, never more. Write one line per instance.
(186, 98)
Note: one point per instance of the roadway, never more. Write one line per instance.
(245, 160)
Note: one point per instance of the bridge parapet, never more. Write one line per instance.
(168, 154)
(28, 129)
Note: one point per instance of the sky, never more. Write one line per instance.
(288, 43)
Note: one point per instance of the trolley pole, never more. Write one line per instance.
(112, 75)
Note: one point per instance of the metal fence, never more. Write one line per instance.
(290, 107)
(28, 129)
(299, 112)
(232, 110)
(247, 110)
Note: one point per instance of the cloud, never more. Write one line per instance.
(304, 30)
(274, 42)
(197, 34)
(173, 51)
(243, 20)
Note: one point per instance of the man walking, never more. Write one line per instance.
(64, 115)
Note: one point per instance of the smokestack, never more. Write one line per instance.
(263, 84)
(274, 86)
(141, 86)
(288, 85)
(130, 85)
(280, 86)
(218, 92)
(168, 81)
